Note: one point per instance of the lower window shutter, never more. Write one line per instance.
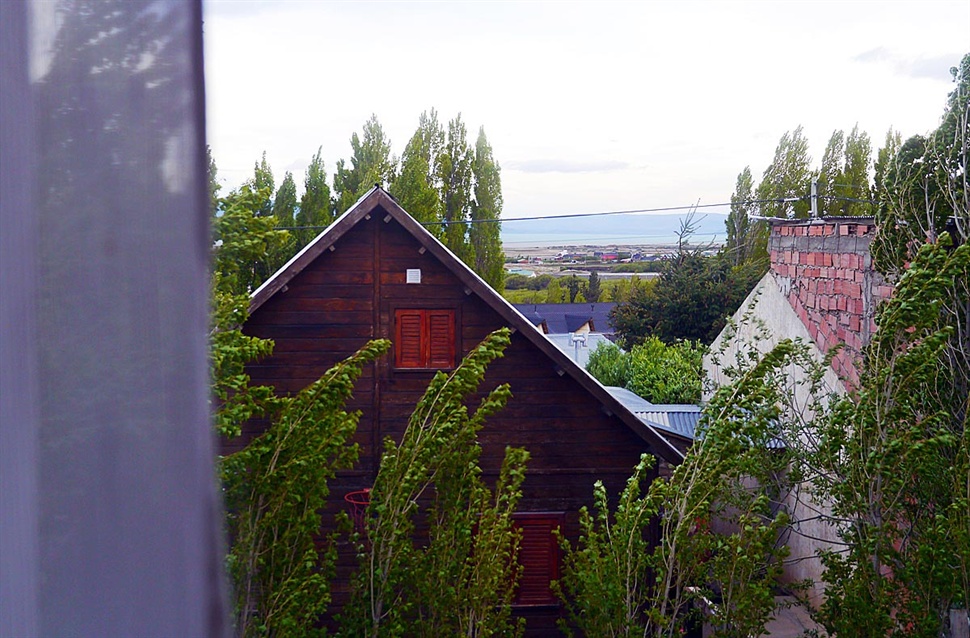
(539, 558)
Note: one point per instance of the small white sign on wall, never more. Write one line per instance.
(414, 276)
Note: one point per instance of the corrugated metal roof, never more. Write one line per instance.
(630, 400)
(680, 419)
(677, 418)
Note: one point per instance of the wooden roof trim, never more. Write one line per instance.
(327, 238)
(378, 198)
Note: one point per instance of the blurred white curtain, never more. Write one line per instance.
(110, 510)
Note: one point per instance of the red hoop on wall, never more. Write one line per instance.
(359, 501)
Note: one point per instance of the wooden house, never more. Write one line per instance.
(377, 273)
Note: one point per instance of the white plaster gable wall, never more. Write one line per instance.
(768, 304)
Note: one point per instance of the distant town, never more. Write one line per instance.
(610, 262)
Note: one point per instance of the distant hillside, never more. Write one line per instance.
(611, 229)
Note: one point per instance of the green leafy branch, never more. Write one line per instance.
(461, 582)
(275, 489)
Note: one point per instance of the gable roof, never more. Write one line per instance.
(377, 201)
(576, 322)
(558, 316)
(537, 321)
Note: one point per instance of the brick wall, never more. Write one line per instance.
(825, 269)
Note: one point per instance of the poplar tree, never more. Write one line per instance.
(843, 179)
(572, 288)
(855, 175)
(315, 205)
(418, 186)
(615, 583)
(895, 462)
(785, 184)
(262, 187)
(830, 175)
(284, 207)
(459, 580)
(276, 488)
(284, 204)
(885, 156)
(455, 170)
(593, 287)
(371, 163)
(485, 232)
(262, 181)
(746, 239)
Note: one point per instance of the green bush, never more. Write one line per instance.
(609, 365)
(658, 372)
(662, 373)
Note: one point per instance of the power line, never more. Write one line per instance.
(857, 187)
(847, 199)
(665, 209)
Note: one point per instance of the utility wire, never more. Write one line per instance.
(666, 209)
(847, 199)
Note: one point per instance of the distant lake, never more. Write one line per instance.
(611, 230)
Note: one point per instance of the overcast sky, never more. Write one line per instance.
(589, 106)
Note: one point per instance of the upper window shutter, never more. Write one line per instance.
(441, 338)
(409, 353)
(424, 338)
(539, 557)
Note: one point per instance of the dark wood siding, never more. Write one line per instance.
(352, 293)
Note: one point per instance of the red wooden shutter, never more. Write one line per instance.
(424, 339)
(408, 350)
(539, 557)
(441, 338)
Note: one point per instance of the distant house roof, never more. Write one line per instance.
(556, 315)
(578, 354)
(576, 322)
(377, 201)
(536, 321)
